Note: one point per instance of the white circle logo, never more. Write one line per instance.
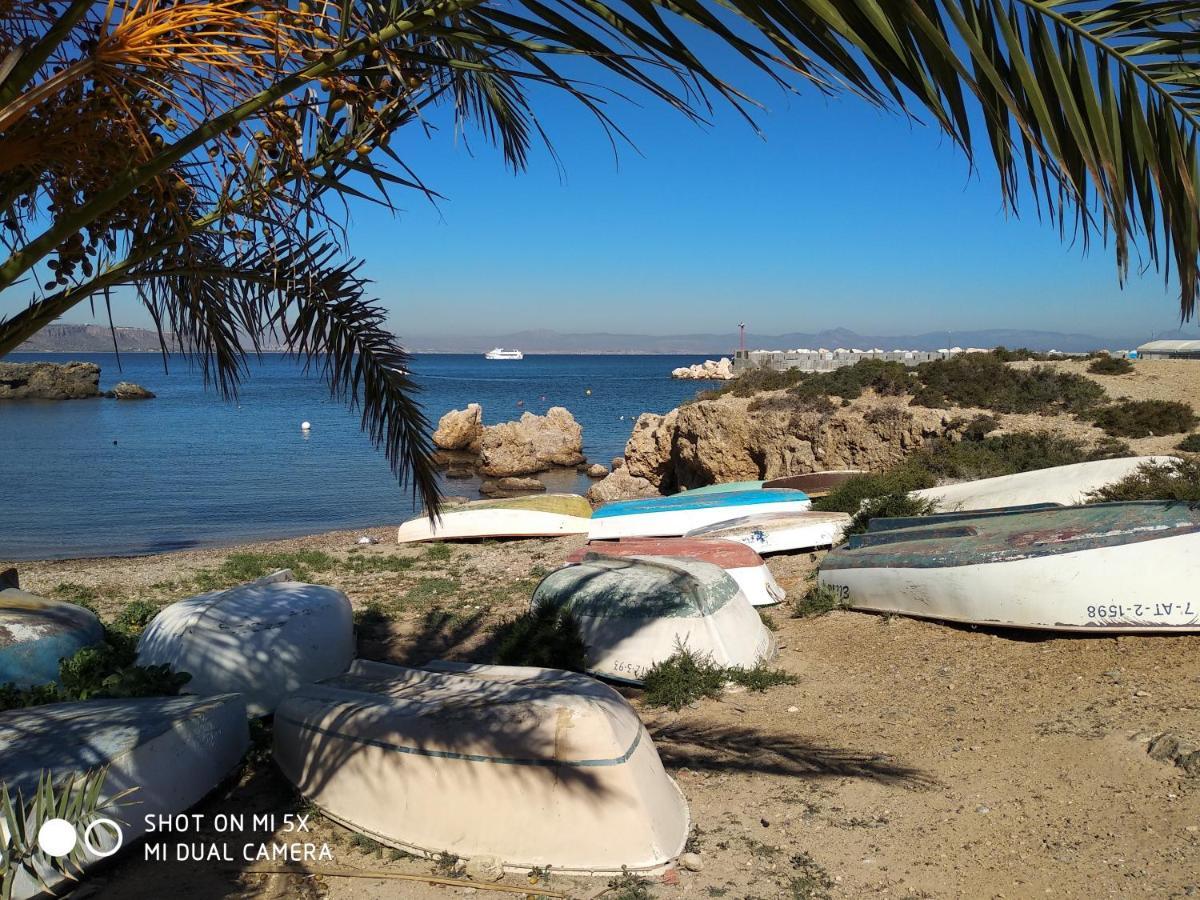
(56, 837)
(98, 850)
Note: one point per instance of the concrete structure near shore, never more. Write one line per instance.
(823, 360)
(1167, 350)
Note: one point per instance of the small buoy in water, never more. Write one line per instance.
(520, 403)
(543, 397)
(114, 443)
(588, 392)
(305, 426)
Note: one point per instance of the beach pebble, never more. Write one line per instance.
(691, 861)
(983, 810)
(485, 868)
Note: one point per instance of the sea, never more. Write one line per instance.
(98, 477)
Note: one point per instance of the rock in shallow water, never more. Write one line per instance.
(460, 429)
(532, 444)
(127, 390)
(620, 485)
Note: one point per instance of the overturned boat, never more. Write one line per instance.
(262, 640)
(165, 753)
(779, 532)
(741, 563)
(636, 612)
(680, 513)
(815, 484)
(1109, 567)
(542, 515)
(1064, 485)
(530, 767)
(36, 633)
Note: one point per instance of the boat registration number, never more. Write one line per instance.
(1140, 611)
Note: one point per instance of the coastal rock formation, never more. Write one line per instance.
(127, 390)
(49, 381)
(531, 444)
(510, 487)
(620, 485)
(774, 434)
(709, 370)
(460, 429)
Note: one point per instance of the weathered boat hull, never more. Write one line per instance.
(530, 767)
(637, 612)
(1065, 485)
(36, 633)
(741, 563)
(262, 640)
(779, 533)
(1067, 569)
(680, 514)
(172, 751)
(543, 515)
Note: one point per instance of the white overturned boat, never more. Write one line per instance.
(1065, 485)
(263, 639)
(681, 513)
(542, 515)
(1109, 567)
(533, 767)
(172, 751)
(636, 612)
(779, 532)
(740, 563)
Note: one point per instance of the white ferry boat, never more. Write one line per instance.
(500, 353)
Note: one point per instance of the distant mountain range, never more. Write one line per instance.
(64, 338)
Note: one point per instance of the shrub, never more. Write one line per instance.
(976, 429)
(887, 415)
(889, 506)
(1020, 354)
(1178, 480)
(79, 594)
(755, 381)
(849, 496)
(136, 615)
(759, 677)
(1110, 365)
(776, 402)
(983, 380)
(242, 567)
(439, 552)
(1144, 418)
(1190, 444)
(105, 670)
(683, 678)
(546, 636)
(885, 378)
(816, 601)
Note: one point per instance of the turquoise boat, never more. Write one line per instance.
(35, 633)
(678, 514)
(725, 487)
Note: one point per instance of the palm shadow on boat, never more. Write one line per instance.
(711, 747)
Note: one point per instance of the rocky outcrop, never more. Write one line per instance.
(774, 434)
(460, 429)
(620, 485)
(596, 470)
(49, 381)
(531, 444)
(709, 370)
(127, 390)
(510, 487)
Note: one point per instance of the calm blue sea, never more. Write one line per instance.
(106, 477)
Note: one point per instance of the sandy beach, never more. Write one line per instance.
(910, 759)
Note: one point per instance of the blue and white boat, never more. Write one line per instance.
(678, 514)
(36, 633)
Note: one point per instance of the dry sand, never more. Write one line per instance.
(911, 759)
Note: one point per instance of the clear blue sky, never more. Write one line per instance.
(840, 215)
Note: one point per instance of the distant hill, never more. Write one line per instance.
(546, 341)
(98, 339)
(91, 339)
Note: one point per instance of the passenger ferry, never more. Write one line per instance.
(500, 353)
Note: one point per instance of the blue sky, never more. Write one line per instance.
(839, 215)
